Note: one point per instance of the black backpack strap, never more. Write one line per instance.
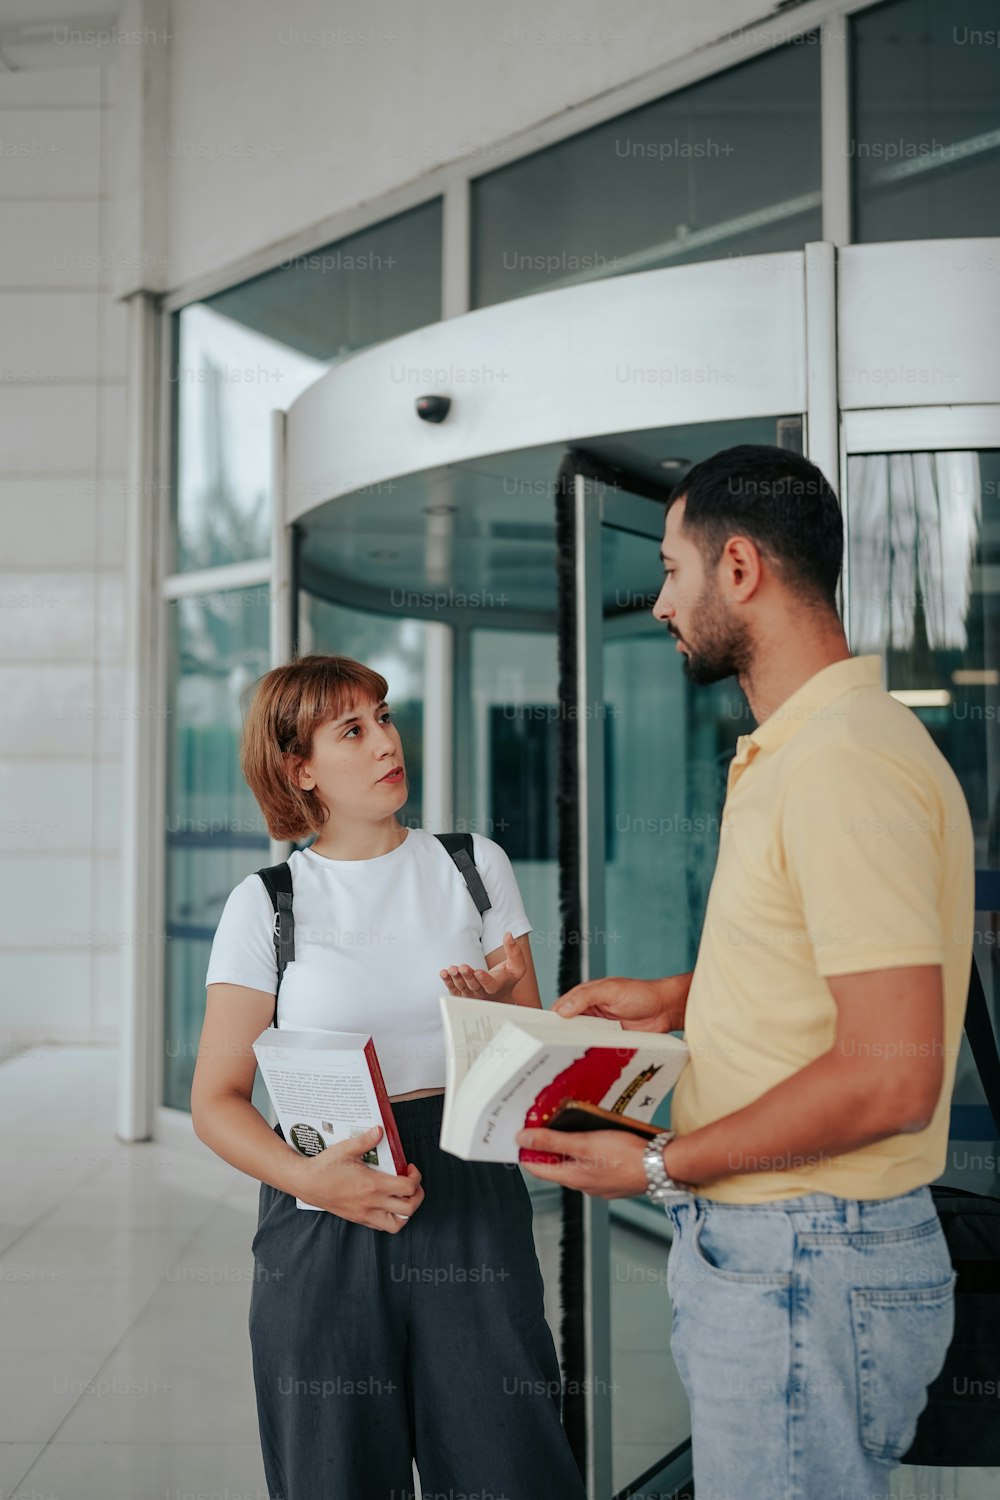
(979, 1030)
(460, 847)
(278, 884)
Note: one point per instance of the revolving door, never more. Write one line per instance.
(498, 568)
(463, 586)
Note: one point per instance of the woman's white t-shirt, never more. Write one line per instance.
(370, 938)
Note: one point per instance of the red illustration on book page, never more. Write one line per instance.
(587, 1079)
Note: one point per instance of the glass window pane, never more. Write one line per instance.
(252, 349)
(218, 645)
(924, 589)
(924, 592)
(730, 166)
(926, 135)
(666, 783)
(507, 737)
(229, 378)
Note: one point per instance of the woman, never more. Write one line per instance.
(405, 1322)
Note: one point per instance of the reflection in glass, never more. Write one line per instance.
(915, 521)
(509, 722)
(649, 1406)
(924, 592)
(922, 544)
(253, 349)
(666, 778)
(330, 302)
(229, 378)
(218, 647)
(729, 166)
(926, 132)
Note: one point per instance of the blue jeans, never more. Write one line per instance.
(806, 1332)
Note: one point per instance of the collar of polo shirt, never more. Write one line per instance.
(807, 702)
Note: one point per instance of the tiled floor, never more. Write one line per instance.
(124, 1290)
(123, 1300)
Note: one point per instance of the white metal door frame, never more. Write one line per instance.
(588, 498)
(920, 429)
(707, 342)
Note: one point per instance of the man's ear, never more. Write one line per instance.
(741, 559)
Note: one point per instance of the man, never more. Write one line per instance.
(812, 1287)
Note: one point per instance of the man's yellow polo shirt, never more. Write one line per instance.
(845, 846)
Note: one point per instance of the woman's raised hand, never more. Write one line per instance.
(488, 984)
(339, 1181)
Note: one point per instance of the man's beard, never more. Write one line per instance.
(724, 646)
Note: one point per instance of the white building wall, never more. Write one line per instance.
(62, 388)
(284, 115)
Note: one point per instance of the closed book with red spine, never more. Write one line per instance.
(327, 1087)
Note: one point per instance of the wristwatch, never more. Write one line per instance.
(661, 1186)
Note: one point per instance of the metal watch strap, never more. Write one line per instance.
(661, 1185)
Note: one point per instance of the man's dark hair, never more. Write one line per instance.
(781, 502)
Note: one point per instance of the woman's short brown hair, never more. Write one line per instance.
(288, 705)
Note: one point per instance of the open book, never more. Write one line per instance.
(326, 1086)
(510, 1066)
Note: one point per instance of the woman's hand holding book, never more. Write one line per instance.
(338, 1181)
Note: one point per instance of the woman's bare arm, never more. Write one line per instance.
(229, 1124)
(525, 991)
(221, 1112)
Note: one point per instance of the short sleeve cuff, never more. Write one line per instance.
(834, 964)
(248, 981)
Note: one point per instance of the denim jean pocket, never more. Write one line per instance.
(751, 1249)
(677, 1229)
(901, 1337)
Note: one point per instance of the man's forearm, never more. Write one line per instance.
(827, 1108)
(674, 992)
